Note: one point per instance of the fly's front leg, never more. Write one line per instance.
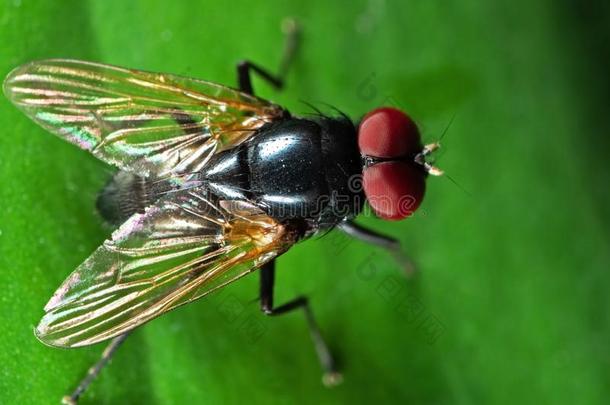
(331, 376)
(385, 242)
(291, 30)
(94, 370)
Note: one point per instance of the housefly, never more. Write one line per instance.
(213, 183)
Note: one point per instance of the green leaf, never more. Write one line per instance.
(511, 301)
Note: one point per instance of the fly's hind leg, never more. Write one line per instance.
(94, 370)
(292, 33)
(331, 376)
(385, 242)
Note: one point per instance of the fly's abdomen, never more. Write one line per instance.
(286, 169)
(295, 170)
(280, 169)
(125, 194)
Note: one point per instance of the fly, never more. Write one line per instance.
(213, 183)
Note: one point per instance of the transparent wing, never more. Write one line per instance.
(148, 123)
(180, 249)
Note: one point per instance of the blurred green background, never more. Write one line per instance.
(511, 302)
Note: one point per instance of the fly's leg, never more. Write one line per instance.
(331, 376)
(292, 32)
(385, 242)
(94, 370)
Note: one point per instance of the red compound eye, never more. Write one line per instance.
(388, 133)
(394, 189)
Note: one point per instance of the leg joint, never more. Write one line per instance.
(299, 302)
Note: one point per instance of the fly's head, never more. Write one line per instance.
(394, 160)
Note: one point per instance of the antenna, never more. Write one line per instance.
(451, 179)
(447, 128)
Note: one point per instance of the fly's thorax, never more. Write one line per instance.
(264, 236)
(251, 222)
(343, 171)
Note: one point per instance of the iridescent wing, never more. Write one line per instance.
(181, 248)
(147, 123)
